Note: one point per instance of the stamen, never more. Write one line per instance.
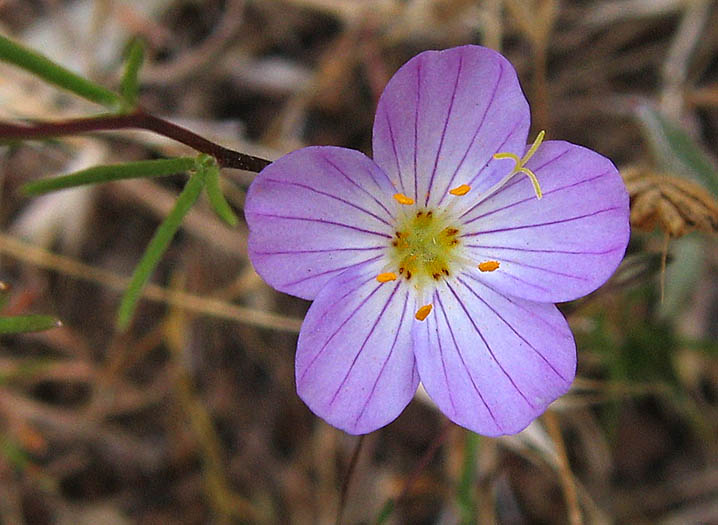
(423, 312)
(519, 164)
(403, 199)
(489, 266)
(461, 190)
(386, 277)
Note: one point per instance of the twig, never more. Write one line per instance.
(567, 482)
(348, 478)
(138, 119)
(32, 254)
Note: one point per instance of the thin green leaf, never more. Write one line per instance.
(158, 245)
(675, 150)
(130, 87)
(27, 323)
(216, 197)
(108, 173)
(53, 73)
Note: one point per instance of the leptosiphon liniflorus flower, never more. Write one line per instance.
(439, 260)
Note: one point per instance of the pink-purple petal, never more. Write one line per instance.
(492, 363)
(558, 248)
(441, 118)
(314, 213)
(354, 364)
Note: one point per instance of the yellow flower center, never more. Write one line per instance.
(424, 247)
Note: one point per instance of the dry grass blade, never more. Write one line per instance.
(44, 259)
(676, 205)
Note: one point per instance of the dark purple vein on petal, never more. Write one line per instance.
(443, 132)
(386, 361)
(329, 195)
(540, 224)
(511, 327)
(488, 347)
(498, 149)
(441, 355)
(476, 133)
(416, 126)
(339, 328)
(323, 250)
(354, 183)
(321, 221)
(530, 313)
(379, 187)
(535, 250)
(333, 270)
(547, 270)
(463, 362)
(393, 146)
(374, 326)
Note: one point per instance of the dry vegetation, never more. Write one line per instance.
(191, 416)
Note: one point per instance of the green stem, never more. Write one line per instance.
(130, 85)
(158, 245)
(216, 198)
(466, 496)
(53, 73)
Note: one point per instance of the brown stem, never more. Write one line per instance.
(138, 119)
(348, 478)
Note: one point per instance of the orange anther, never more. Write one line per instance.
(461, 190)
(423, 312)
(386, 277)
(403, 199)
(489, 266)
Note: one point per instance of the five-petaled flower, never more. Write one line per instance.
(439, 260)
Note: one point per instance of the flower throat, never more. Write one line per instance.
(424, 246)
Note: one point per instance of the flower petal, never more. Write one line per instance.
(354, 364)
(314, 213)
(563, 246)
(492, 363)
(441, 118)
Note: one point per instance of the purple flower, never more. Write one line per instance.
(439, 261)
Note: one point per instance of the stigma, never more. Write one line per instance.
(520, 164)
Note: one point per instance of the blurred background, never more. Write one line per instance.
(191, 416)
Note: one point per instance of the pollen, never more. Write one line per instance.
(519, 164)
(423, 312)
(461, 190)
(386, 277)
(403, 199)
(489, 266)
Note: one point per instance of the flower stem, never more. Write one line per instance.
(138, 119)
(158, 245)
(466, 496)
(348, 478)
